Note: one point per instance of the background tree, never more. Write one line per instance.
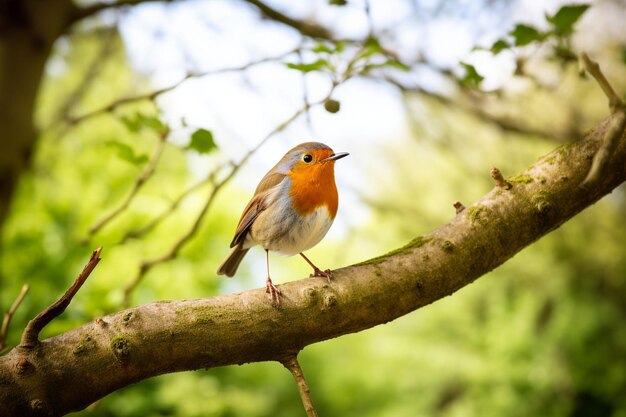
(120, 128)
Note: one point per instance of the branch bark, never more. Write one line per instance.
(69, 371)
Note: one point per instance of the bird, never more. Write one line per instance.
(291, 210)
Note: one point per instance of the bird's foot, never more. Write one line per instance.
(273, 291)
(319, 273)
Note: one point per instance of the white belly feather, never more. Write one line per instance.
(286, 232)
(306, 233)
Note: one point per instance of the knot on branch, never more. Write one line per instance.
(499, 179)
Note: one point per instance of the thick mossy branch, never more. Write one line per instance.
(72, 370)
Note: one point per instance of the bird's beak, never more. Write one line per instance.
(335, 156)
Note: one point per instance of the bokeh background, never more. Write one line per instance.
(431, 104)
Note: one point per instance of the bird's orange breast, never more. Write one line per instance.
(313, 186)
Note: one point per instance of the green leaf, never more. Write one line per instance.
(390, 63)
(202, 141)
(313, 66)
(394, 63)
(337, 2)
(154, 123)
(371, 47)
(139, 121)
(126, 153)
(525, 34)
(498, 46)
(132, 124)
(321, 47)
(472, 78)
(564, 20)
(624, 55)
(340, 46)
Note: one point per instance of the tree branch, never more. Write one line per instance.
(112, 106)
(479, 111)
(617, 124)
(305, 28)
(82, 365)
(143, 230)
(80, 13)
(291, 363)
(30, 337)
(6, 321)
(593, 68)
(139, 182)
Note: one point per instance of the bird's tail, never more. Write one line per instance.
(230, 265)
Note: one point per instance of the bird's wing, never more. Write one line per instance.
(255, 206)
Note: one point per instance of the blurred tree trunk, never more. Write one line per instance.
(28, 30)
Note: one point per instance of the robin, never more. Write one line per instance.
(293, 207)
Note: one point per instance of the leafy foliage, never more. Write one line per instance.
(127, 153)
(563, 20)
(472, 78)
(139, 120)
(202, 142)
(318, 65)
(526, 34)
(360, 60)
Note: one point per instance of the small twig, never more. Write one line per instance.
(79, 13)
(139, 182)
(142, 231)
(458, 206)
(4, 330)
(499, 179)
(147, 265)
(593, 68)
(92, 72)
(616, 127)
(154, 94)
(305, 27)
(30, 337)
(370, 20)
(478, 110)
(305, 93)
(291, 363)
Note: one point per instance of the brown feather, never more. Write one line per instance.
(256, 205)
(230, 265)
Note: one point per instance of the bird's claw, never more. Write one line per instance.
(273, 291)
(319, 273)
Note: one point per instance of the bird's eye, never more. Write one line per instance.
(307, 158)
